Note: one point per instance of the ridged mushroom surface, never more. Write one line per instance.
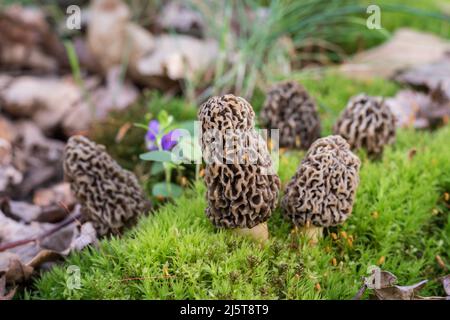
(110, 196)
(289, 108)
(322, 191)
(242, 187)
(367, 122)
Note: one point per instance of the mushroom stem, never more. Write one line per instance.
(259, 233)
(311, 233)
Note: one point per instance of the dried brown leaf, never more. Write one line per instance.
(27, 41)
(418, 109)
(18, 272)
(399, 292)
(3, 294)
(431, 76)
(405, 49)
(446, 283)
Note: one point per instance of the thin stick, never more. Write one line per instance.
(9, 245)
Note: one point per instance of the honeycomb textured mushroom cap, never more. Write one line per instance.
(322, 191)
(367, 122)
(242, 187)
(290, 108)
(110, 196)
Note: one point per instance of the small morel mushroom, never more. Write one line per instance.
(242, 187)
(289, 108)
(322, 191)
(367, 122)
(110, 196)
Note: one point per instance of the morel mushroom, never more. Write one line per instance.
(367, 122)
(322, 191)
(242, 187)
(110, 196)
(289, 108)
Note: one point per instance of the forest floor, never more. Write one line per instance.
(400, 223)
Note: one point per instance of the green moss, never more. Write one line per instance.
(176, 253)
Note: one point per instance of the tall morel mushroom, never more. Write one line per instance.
(110, 196)
(367, 122)
(242, 187)
(289, 108)
(322, 191)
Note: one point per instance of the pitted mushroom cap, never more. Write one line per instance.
(323, 189)
(110, 196)
(242, 187)
(289, 107)
(367, 122)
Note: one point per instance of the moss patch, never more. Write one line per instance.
(399, 222)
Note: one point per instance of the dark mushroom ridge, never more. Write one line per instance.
(367, 122)
(242, 187)
(323, 189)
(110, 196)
(289, 108)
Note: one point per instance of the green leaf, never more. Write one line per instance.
(141, 125)
(167, 190)
(159, 156)
(157, 168)
(165, 120)
(74, 62)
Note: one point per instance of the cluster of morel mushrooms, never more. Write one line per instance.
(242, 186)
(243, 191)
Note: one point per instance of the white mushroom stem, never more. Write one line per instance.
(259, 233)
(312, 233)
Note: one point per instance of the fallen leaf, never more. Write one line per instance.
(27, 41)
(54, 213)
(107, 32)
(3, 294)
(407, 48)
(116, 95)
(17, 272)
(112, 37)
(383, 284)
(418, 109)
(87, 236)
(20, 210)
(10, 176)
(38, 157)
(61, 240)
(43, 100)
(446, 284)
(432, 76)
(400, 292)
(177, 16)
(7, 130)
(5, 258)
(42, 257)
(387, 279)
(58, 194)
(175, 58)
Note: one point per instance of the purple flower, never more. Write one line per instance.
(170, 139)
(153, 130)
(150, 137)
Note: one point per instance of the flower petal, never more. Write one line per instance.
(170, 139)
(153, 130)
